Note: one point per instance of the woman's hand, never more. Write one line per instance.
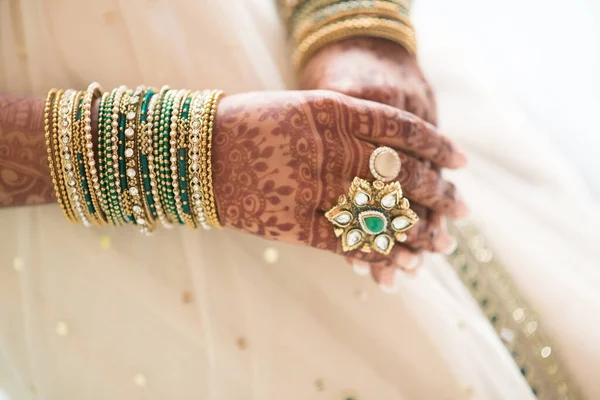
(372, 69)
(282, 159)
(379, 70)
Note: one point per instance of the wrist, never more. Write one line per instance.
(368, 53)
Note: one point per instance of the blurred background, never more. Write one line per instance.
(546, 53)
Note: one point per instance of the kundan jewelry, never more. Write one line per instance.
(373, 215)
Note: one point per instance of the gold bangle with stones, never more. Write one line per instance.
(213, 216)
(194, 155)
(112, 162)
(124, 129)
(373, 27)
(326, 16)
(67, 155)
(57, 159)
(52, 98)
(102, 194)
(174, 140)
(132, 191)
(93, 90)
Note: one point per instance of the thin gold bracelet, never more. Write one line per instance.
(373, 27)
(213, 216)
(91, 172)
(174, 140)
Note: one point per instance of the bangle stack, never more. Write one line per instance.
(152, 162)
(314, 24)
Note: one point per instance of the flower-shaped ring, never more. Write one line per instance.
(372, 216)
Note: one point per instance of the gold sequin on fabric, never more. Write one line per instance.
(140, 380)
(516, 323)
(62, 329)
(18, 264)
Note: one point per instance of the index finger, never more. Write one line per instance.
(383, 125)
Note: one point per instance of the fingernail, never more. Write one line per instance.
(413, 263)
(462, 211)
(462, 158)
(395, 285)
(459, 156)
(451, 248)
(408, 261)
(361, 270)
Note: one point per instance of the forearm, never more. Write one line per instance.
(24, 172)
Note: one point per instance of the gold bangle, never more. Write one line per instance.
(174, 133)
(373, 27)
(195, 158)
(133, 177)
(381, 9)
(113, 165)
(183, 127)
(76, 148)
(213, 216)
(305, 8)
(67, 155)
(154, 109)
(56, 146)
(89, 162)
(52, 99)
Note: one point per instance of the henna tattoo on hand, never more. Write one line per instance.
(372, 69)
(24, 173)
(281, 159)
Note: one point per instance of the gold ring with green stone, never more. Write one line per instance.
(374, 215)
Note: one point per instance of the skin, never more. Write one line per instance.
(382, 71)
(24, 173)
(280, 160)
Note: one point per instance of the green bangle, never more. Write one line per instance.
(112, 158)
(103, 137)
(85, 189)
(182, 154)
(157, 195)
(125, 206)
(167, 192)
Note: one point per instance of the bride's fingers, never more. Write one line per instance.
(423, 184)
(388, 276)
(420, 182)
(400, 257)
(388, 126)
(429, 233)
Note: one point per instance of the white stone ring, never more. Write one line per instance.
(373, 215)
(385, 164)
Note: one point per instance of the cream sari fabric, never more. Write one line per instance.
(108, 314)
